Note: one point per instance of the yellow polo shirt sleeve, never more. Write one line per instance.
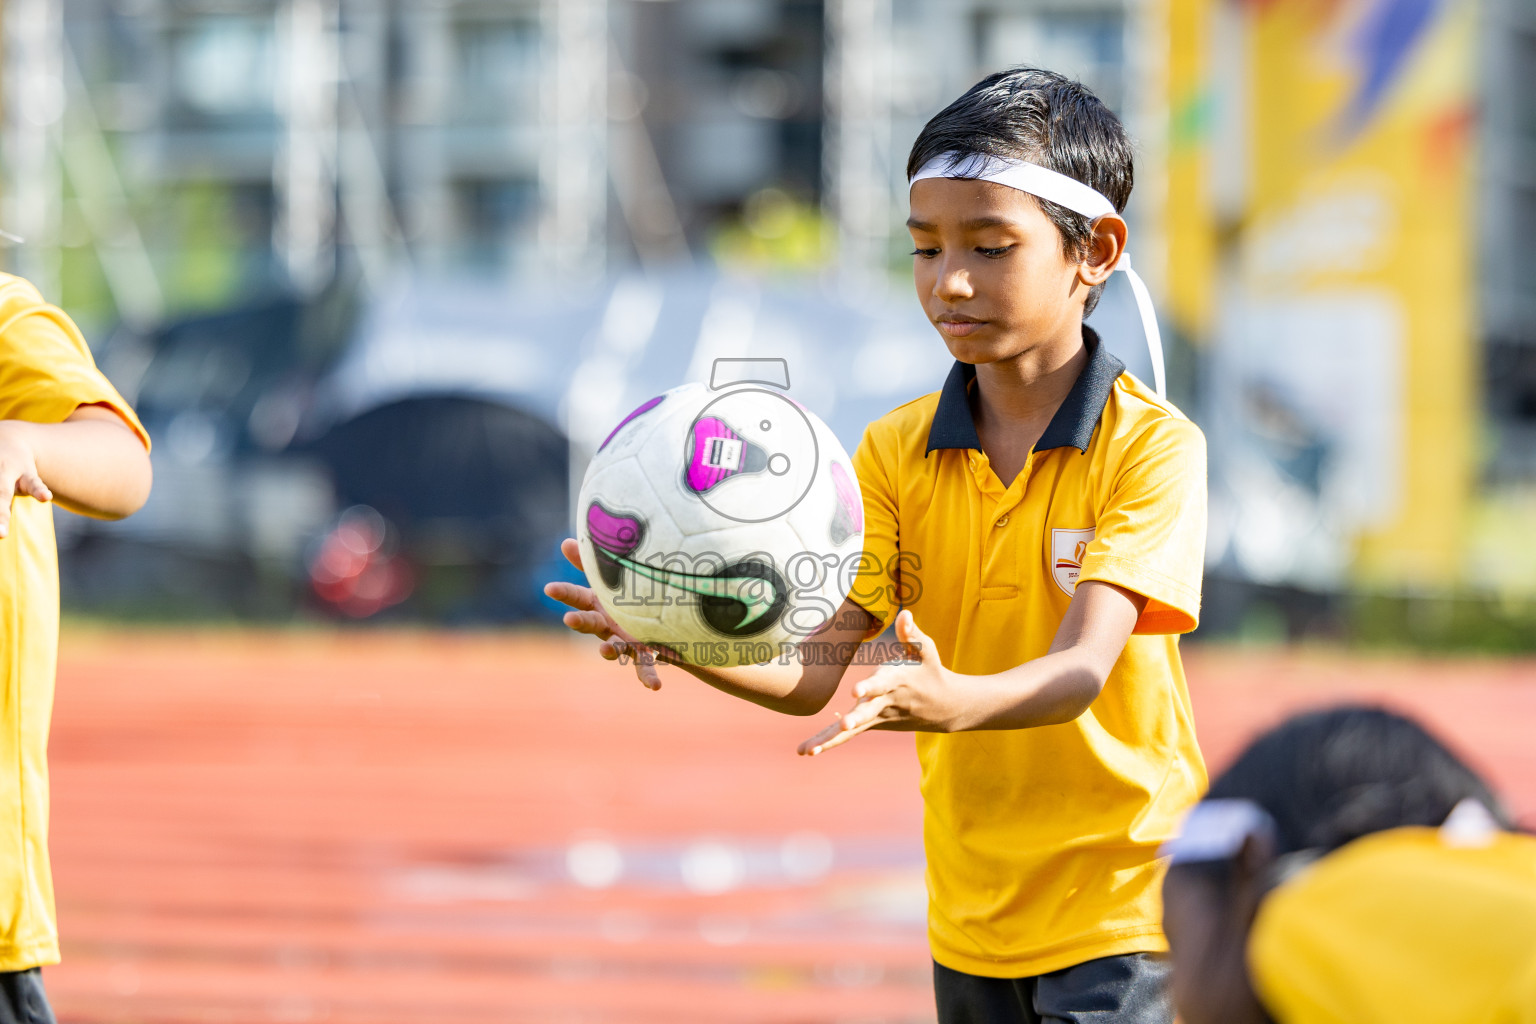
(877, 584)
(1150, 535)
(46, 370)
(1399, 927)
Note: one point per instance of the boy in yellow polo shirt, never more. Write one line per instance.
(67, 438)
(1042, 518)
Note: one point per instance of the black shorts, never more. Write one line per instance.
(1129, 989)
(22, 999)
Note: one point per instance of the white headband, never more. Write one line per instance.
(1063, 191)
(1216, 830)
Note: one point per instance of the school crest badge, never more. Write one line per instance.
(1067, 550)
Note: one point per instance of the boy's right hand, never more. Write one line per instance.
(587, 616)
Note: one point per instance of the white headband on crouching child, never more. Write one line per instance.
(1047, 184)
(1216, 830)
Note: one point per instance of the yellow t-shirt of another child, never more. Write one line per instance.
(1042, 843)
(1403, 927)
(46, 373)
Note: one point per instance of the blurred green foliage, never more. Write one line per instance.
(776, 232)
(1468, 623)
(202, 271)
(198, 242)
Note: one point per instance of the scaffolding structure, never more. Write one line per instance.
(553, 138)
(860, 165)
(341, 136)
(33, 87)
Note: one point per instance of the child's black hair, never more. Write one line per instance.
(1026, 113)
(1330, 777)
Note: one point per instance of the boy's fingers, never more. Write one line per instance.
(835, 741)
(572, 552)
(846, 730)
(645, 661)
(914, 639)
(31, 485)
(591, 623)
(645, 671)
(813, 744)
(867, 712)
(884, 680)
(578, 597)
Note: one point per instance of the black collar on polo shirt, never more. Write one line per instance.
(1072, 425)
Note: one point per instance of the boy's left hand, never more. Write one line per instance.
(918, 697)
(18, 470)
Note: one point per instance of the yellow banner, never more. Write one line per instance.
(1321, 177)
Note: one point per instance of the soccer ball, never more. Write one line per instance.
(722, 525)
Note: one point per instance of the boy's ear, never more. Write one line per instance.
(1109, 235)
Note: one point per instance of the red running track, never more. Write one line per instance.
(387, 828)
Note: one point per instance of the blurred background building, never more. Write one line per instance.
(332, 247)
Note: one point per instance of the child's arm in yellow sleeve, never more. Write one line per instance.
(92, 463)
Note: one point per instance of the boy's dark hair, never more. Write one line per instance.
(1027, 113)
(1330, 777)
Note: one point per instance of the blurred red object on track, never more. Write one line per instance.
(356, 567)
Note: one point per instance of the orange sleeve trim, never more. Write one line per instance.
(1172, 605)
(121, 410)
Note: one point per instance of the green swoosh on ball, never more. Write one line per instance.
(735, 588)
